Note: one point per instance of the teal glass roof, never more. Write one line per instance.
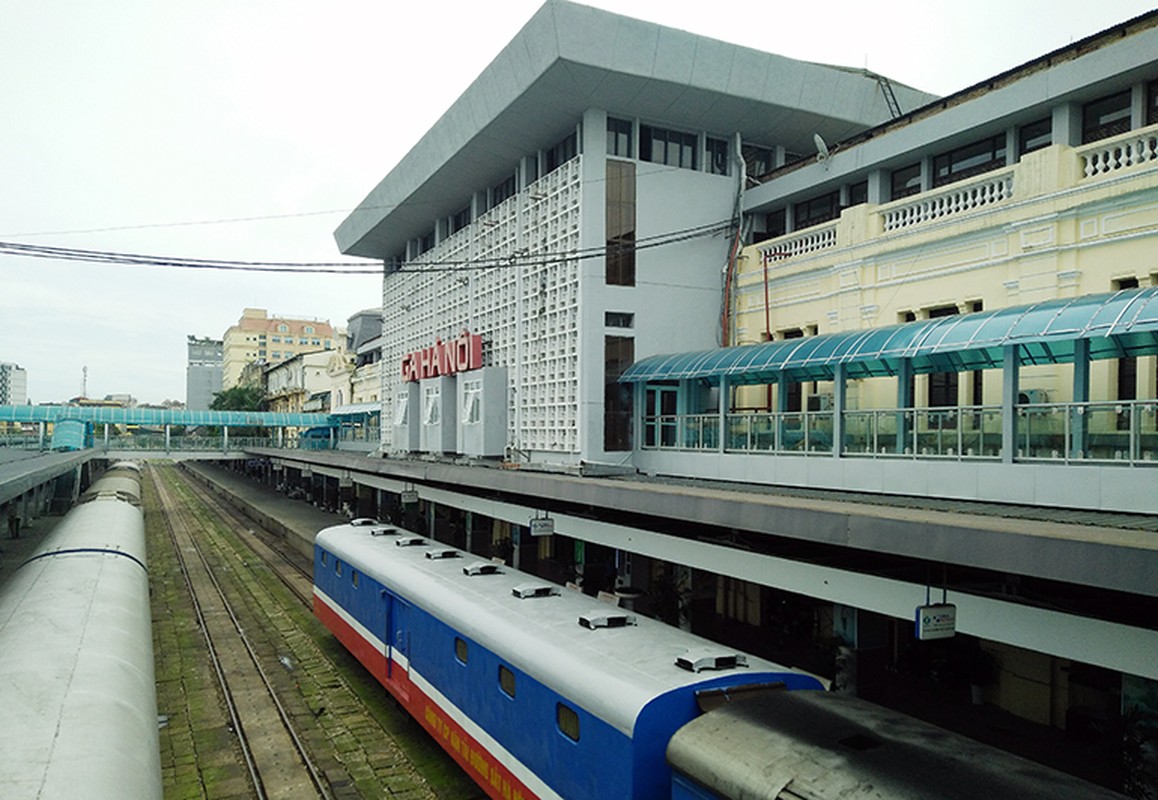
(1116, 324)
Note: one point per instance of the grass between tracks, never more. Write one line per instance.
(345, 733)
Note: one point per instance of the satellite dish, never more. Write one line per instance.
(821, 148)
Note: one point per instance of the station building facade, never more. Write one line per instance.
(610, 193)
(575, 208)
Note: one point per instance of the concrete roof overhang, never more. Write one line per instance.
(571, 58)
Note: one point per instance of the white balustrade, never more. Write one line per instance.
(797, 244)
(1120, 152)
(958, 199)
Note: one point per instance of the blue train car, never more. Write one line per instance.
(71, 434)
(537, 691)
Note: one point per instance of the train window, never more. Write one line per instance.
(337, 567)
(460, 650)
(567, 719)
(506, 681)
(324, 559)
(354, 577)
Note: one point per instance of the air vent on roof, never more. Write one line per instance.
(529, 590)
(444, 552)
(387, 530)
(481, 568)
(363, 521)
(606, 619)
(410, 541)
(706, 658)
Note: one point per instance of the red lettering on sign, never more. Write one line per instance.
(461, 354)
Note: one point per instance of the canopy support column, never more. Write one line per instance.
(781, 409)
(722, 409)
(904, 402)
(1010, 378)
(280, 434)
(839, 386)
(225, 438)
(1079, 414)
(42, 426)
(168, 430)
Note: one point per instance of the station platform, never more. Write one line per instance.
(296, 520)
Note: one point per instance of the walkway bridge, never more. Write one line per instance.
(118, 433)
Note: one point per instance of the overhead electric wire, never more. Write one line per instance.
(521, 257)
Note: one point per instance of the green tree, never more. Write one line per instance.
(240, 398)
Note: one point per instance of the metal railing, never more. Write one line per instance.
(1113, 432)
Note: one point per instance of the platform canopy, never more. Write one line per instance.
(358, 409)
(163, 416)
(1116, 325)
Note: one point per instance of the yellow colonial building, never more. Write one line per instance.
(259, 338)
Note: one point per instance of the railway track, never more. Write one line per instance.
(277, 761)
(352, 732)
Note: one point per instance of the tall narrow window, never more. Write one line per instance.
(561, 153)
(618, 400)
(943, 385)
(502, 190)
(472, 400)
(619, 137)
(460, 220)
(431, 405)
(401, 408)
(1106, 117)
(906, 181)
(620, 222)
(717, 156)
(1127, 383)
(776, 223)
(858, 193)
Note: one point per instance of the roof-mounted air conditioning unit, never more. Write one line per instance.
(529, 590)
(410, 541)
(442, 552)
(606, 619)
(481, 568)
(383, 530)
(707, 658)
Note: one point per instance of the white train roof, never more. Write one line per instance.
(76, 663)
(612, 672)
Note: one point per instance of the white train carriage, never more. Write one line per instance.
(536, 690)
(78, 712)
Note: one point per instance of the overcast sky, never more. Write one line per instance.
(247, 129)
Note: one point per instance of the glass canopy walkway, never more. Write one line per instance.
(1077, 331)
(178, 430)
